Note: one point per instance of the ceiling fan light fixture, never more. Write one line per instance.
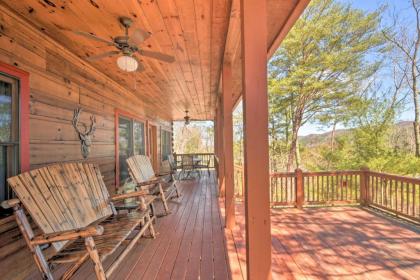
(127, 63)
(187, 118)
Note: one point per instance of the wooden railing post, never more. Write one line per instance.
(364, 185)
(299, 188)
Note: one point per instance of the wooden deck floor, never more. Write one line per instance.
(190, 243)
(336, 243)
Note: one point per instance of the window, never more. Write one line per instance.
(131, 141)
(9, 133)
(166, 141)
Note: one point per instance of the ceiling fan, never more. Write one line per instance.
(127, 47)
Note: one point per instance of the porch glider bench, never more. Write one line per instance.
(141, 172)
(71, 205)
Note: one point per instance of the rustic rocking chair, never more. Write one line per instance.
(72, 207)
(142, 173)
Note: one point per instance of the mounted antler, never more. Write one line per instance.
(84, 136)
(75, 122)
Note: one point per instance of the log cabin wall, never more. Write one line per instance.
(59, 83)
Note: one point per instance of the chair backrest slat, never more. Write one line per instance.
(140, 168)
(63, 196)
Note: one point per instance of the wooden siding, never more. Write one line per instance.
(59, 83)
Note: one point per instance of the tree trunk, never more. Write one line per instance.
(414, 75)
(416, 124)
(297, 153)
(332, 142)
(297, 121)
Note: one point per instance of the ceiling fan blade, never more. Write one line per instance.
(139, 36)
(157, 55)
(94, 37)
(102, 55)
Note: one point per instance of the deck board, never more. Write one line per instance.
(337, 243)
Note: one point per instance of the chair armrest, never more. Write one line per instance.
(165, 174)
(67, 235)
(11, 203)
(152, 181)
(129, 195)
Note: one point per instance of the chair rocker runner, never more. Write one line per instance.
(142, 173)
(72, 207)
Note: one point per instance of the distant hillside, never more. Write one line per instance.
(403, 130)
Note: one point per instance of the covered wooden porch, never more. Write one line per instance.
(202, 56)
(219, 51)
(346, 242)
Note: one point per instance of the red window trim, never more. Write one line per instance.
(24, 98)
(122, 113)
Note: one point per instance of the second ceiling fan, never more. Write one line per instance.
(128, 47)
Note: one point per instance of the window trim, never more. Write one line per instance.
(161, 141)
(120, 113)
(24, 100)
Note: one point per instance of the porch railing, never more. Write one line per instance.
(204, 158)
(397, 194)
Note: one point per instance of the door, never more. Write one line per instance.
(9, 133)
(131, 141)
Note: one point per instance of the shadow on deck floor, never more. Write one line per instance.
(337, 243)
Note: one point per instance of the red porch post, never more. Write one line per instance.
(227, 107)
(220, 151)
(255, 102)
(216, 135)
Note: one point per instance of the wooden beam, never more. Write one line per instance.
(293, 17)
(221, 151)
(227, 100)
(255, 104)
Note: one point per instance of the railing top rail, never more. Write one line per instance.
(205, 154)
(405, 179)
(332, 173)
(282, 174)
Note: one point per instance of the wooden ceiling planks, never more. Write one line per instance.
(281, 17)
(169, 88)
(199, 33)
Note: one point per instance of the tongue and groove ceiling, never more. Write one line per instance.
(195, 32)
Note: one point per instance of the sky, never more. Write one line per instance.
(402, 6)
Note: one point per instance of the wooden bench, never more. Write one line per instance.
(142, 173)
(71, 206)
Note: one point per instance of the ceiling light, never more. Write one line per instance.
(187, 118)
(127, 63)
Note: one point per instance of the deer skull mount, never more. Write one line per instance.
(85, 134)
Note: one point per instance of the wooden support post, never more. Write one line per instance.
(227, 107)
(215, 135)
(364, 185)
(255, 104)
(221, 153)
(300, 195)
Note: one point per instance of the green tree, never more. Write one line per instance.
(323, 60)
